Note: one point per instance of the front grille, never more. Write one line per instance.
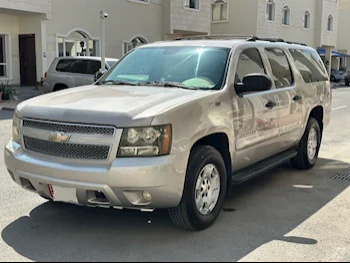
(69, 128)
(67, 150)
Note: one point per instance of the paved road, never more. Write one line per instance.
(284, 215)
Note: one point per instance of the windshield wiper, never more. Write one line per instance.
(170, 85)
(118, 82)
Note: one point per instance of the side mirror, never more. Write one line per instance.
(99, 74)
(254, 83)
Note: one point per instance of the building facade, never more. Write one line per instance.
(343, 43)
(22, 40)
(313, 22)
(34, 32)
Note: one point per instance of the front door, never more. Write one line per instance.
(27, 57)
(255, 115)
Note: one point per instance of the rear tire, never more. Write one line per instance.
(187, 214)
(309, 146)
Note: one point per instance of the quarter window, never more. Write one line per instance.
(94, 67)
(282, 73)
(250, 62)
(65, 65)
(309, 65)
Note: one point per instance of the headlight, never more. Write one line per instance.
(16, 133)
(150, 141)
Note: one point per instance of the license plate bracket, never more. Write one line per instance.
(63, 194)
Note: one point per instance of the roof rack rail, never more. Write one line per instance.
(237, 36)
(222, 36)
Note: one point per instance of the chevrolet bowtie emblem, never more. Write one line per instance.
(59, 137)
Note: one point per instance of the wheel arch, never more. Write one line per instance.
(222, 143)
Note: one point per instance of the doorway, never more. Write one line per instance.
(27, 58)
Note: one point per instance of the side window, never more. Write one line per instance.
(250, 62)
(94, 67)
(281, 70)
(81, 67)
(65, 65)
(309, 65)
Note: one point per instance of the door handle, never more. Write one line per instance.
(297, 98)
(271, 105)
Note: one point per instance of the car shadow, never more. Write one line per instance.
(260, 211)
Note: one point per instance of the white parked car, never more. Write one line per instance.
(69, 72)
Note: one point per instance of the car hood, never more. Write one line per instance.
(120, 106)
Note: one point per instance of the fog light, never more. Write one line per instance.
(147, 196)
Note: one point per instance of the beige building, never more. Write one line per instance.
(344, 35)
(33, 32)
(313, 22)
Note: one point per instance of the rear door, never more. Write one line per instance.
(63, 73)
(94, 67)
(314, 80)
(289, 97)
(81, 73)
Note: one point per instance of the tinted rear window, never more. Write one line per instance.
(309, 65)
(81, 66)
(65, 65)
(94, 67)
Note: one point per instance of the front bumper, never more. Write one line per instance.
(121, 183)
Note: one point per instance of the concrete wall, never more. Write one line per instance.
(242, 19)
(329, 7)
(184, 19)
(343, 37)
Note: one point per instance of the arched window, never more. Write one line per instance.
(77, 42)
(286, 15)
(330, 23)
(307, 20)
(219, 11)
(270, 10)
(133, 43)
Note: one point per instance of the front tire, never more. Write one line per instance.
(309, 146)
(205, 190)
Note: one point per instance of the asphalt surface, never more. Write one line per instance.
(284, 215)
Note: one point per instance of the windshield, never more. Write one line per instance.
(185, 67)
